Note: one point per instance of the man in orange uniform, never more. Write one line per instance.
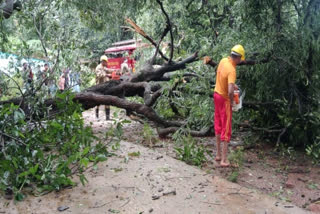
(223, 100)
(103, 74)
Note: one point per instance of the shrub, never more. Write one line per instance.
(43, 154)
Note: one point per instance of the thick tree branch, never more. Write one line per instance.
(212, 63)
(151, 74)
(90, 100)
(154, 98)
(254, 62)
(120, 89)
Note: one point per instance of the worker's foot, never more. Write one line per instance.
(224, 164)
(218, 158)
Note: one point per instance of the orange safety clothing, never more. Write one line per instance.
(226, 73)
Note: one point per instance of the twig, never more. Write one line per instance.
(102, 205)
(125, 203)
(9, 136)
(173, 192)
(239, 193)
(159, 42)
(280, 135)
(211, 203)
(115, 187)
(40, 35)
(166, 179)
(17, 87)
(170, 29)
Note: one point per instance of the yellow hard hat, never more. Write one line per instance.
(238, 49)
(103, 58)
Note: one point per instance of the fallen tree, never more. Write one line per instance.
(146, 83)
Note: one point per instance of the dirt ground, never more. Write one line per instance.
(288, 178)
(146, 178)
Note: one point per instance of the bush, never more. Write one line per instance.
(314, 152)
(43, 154)
(190, 152)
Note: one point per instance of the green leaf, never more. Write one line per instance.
(84, 162)
(19, 196)
(83, 179)
(85, 151)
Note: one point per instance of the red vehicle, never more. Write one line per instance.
(121, 54)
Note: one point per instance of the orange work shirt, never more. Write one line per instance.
(226, 73)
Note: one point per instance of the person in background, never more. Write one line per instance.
(103, 74)
(61, 82)
(64, 79)
(50, 82)
(67, 78)
(75, 81)
(27, 75)
(43, 77)
(125, 70)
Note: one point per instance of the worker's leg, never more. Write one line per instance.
(226, 133)
(218, 103)
(218, 142)
(98, 81)
(224, 161)
(107, 110)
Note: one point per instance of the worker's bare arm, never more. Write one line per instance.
(231, 92)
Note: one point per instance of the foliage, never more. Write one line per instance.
(190, 101)
(286, 151)
(233, 177)
(236, 159)
(40, 155)
(284, 34)
(134, 154)
(149, 137)
(115, 132)
(314, 152)
(190, 152)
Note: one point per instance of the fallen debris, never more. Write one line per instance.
(173, 192)
(288, 206)
(211, 203)
(159, 157)
(63, 208)
(155, 197)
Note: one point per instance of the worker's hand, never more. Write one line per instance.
(206, 59)
(233, 106)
